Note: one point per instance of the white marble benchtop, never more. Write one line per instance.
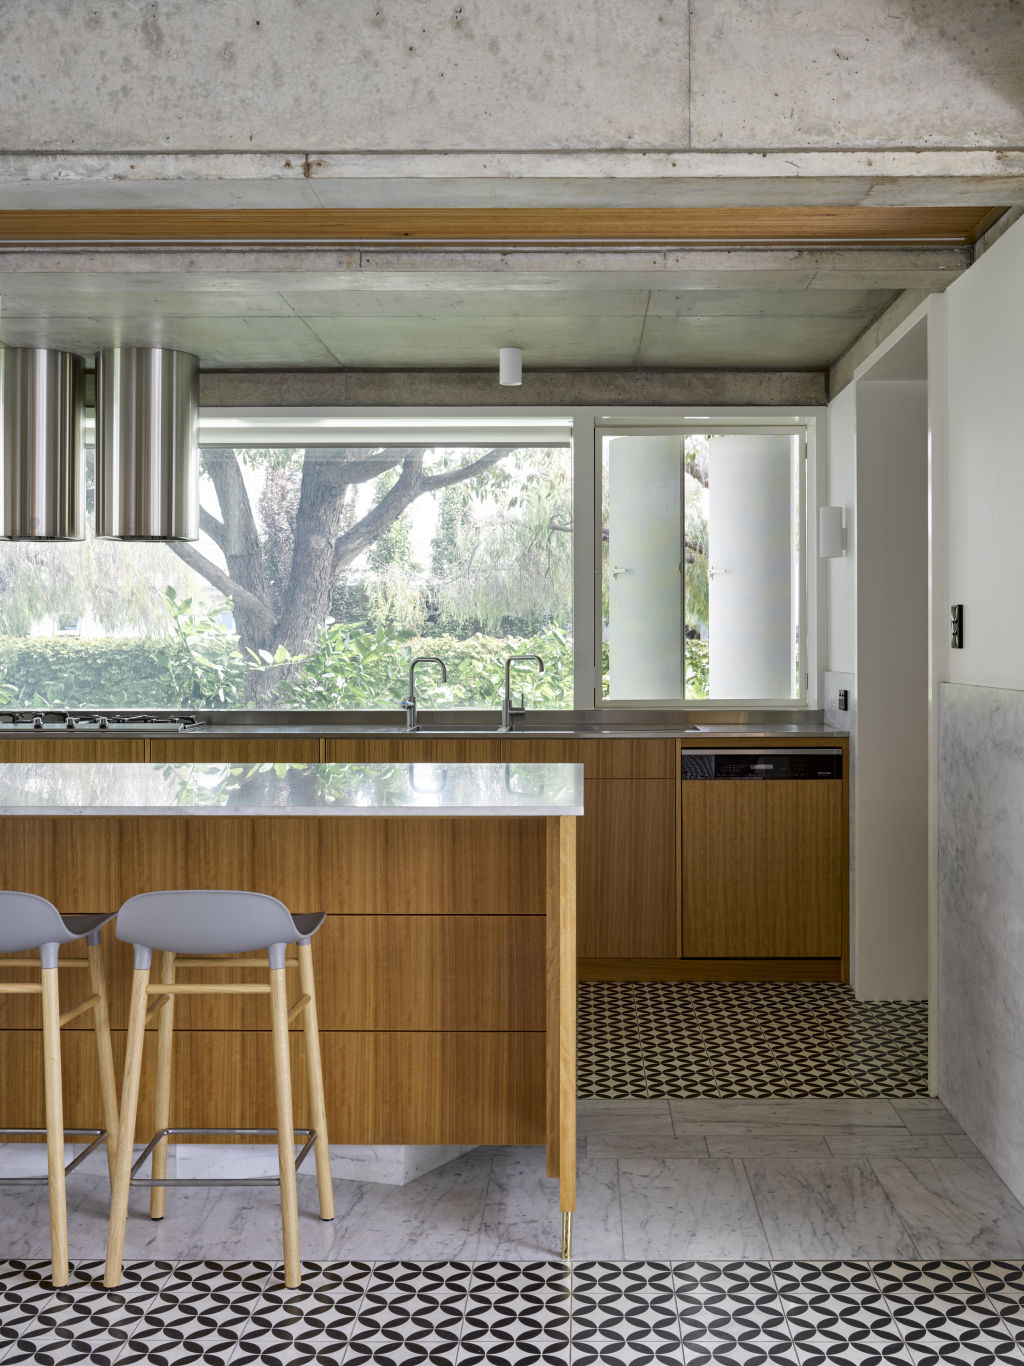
(291, 789)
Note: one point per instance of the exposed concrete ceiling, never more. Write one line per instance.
(742, 307)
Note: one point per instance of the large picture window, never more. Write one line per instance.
(319, 573)
(700, 550)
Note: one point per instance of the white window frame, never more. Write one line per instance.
(710, 427)
(585, 422)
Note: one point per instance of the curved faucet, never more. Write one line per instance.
(412, 718)
(508, 711)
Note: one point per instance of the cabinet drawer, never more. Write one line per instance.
(416, 750)
(258, 749)
(609, 758)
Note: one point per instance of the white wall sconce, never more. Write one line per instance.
(510, 365)
(831, 533)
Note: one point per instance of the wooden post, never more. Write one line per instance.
(162, 1096)
(285, 1127)
(314, 1071)
(126, 1127)
(104, 1053)
(54, 1126)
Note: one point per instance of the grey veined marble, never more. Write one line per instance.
(981, 920)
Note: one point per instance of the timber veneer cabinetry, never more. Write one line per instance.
(642, 842)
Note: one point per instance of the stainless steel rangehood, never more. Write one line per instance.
(147, 444)
(42, 456)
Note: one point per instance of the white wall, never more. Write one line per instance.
(985, 426)
(979, 790)
(842, 492)
(891, 793)
(878, 640)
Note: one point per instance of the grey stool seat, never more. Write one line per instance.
(196, 928)
(31, 924)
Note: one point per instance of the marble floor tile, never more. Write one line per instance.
(625, 1145)
(437, 1217)
(791, 1145)
(826, 1209)
(811, 1115)
(689, 1209)
(925, 1115)
(888, 1143)
(954, 1207)
(639, 1118)
(521, 1219)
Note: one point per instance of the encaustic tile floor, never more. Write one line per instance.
(719, 1227)
(751, 1039)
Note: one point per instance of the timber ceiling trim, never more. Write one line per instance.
(502, 227)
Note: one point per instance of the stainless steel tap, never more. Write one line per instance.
(508, 711)
(412, 719)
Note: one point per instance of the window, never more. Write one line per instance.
(321, 570)
(700, 558)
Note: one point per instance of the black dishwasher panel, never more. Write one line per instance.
(742, 764)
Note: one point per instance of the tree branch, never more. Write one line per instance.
(240, 597)
(407, 487)
(217, 531)
(449, 477)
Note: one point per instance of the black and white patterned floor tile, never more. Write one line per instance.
(518, 1313)
(747, 1039)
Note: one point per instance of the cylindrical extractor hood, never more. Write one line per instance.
(42, 458)
(147, 444)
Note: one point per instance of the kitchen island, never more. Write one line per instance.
(446, 967)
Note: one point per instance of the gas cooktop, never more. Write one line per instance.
(90, 721)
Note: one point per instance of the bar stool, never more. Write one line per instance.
(204, 924)
(30, 923)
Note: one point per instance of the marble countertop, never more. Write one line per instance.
(291, 789)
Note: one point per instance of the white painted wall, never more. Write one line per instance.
(878, 639)
(842, 492)
(985, 442)
(891, 793)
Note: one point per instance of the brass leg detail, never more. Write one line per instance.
(567, 1234)
(162, 1104)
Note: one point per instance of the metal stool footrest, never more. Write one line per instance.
(161, 1134)
(98, 1136)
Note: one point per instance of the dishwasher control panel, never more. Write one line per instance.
(743, 764)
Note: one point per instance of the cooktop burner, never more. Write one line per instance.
(90, 721)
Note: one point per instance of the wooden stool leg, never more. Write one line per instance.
(104, 1053)
(315, 1073)
(126, 1127)
(162, 1107)
(54, 1127)
(285, 1127)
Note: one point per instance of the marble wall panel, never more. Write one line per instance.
(981, 919)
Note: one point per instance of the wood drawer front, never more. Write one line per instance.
(372, 972)
(609, 758)
(762, 869)
(257, 749)
(73, 749)
(381, 1087)
(416, 750)
(627, 870)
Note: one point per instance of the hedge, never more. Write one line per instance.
(68, 671)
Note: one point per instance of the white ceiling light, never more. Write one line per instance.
(510, 365)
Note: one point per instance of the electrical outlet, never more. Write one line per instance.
(956, 626)
(844, 700)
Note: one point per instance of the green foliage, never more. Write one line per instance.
(697, 665)
(46, 671)
(207, 669)
(350, 669)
